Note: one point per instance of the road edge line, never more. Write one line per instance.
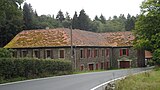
(120, 78)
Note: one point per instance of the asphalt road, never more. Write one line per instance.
(71, 82)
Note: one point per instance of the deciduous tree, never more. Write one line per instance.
(11, 20)
(147, 29)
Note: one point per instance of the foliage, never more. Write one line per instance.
(130, 23)
(145, 81)
(75, 21)
(147, 29)
(27, 16)
(10, 20)
(156, 56)
(83, 21)
(31, 68)
(60, 16)
(5, 53)
(102, 19)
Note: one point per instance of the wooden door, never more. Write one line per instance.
(124, 64)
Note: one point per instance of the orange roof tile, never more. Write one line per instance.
(61, 37)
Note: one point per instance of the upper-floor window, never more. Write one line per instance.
(124, 52)
(82, 53)
(96, 53)
(61, 54)
(103, 52)
(88, 53)
(107, 52)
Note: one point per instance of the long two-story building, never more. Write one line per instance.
(86, 50)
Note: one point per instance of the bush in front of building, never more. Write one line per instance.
(5, 53)
(32, 68)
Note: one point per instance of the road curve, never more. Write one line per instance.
(71, 82)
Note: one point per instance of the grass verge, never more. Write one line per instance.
(144, 81)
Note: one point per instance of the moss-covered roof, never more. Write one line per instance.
(62, 37)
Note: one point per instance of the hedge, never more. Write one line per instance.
(31, 68)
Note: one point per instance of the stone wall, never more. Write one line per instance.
(99, 62)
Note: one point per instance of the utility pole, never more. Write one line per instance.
(73, 57)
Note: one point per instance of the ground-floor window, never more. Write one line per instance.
(36, 54)
(91, 66)
(24, 53)
(82, 67)
(48, 53)
(61, 54)
(102, 65)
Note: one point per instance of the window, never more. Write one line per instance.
(102, 65)
(88, 53)
(95, 53)
(36, 54)
(15, 53)
(82, 53)
(102, 52)
(107, 52)
(24, 53)
(82, 67)
(61, 53)
(48, 53)
(124, 52)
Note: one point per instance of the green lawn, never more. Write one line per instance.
(145, 81)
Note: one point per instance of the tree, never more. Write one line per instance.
(102, 19)
(130, 23)
(75, 21)
(60, 16)
(96, 18)
(147, 28)
(10, 20)
(97, 26)
(27, 16)
(83, 20)
(67, 22)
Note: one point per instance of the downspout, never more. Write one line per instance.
(72, 57)
(111, 64)
(75, 58)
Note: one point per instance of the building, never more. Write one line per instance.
(148, 57)
(86, 50)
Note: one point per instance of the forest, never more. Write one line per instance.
(14, 18)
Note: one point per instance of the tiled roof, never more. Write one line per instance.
(61, 37)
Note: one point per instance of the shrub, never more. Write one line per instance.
(156, 56)
(5, 53)
(31, 68)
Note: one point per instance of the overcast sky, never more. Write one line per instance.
(92, 7)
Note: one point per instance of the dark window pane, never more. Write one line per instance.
(61, 53)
